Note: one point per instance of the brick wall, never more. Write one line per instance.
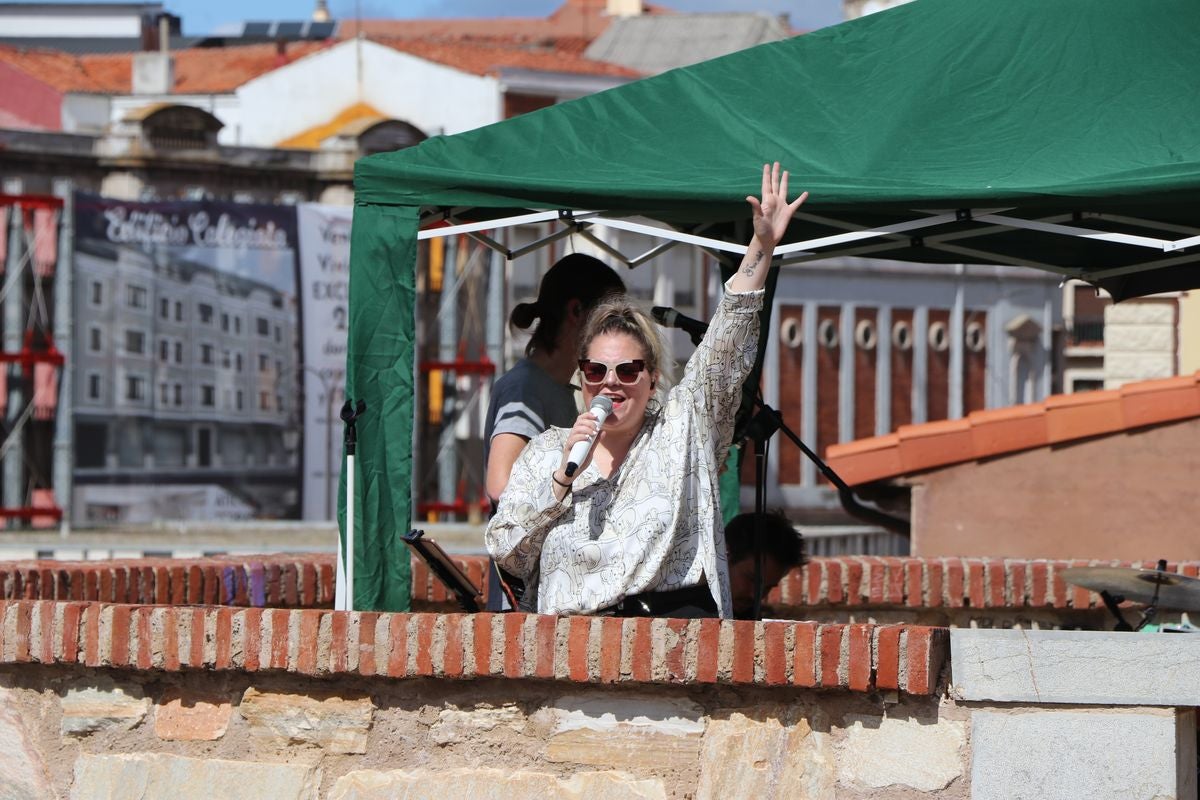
(314, 642)
(844, 583)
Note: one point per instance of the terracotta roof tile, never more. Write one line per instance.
(1155, 402)
(928, 445)
(203, 70)
(1002, 430)
(223, 69)
(574, 18)
(486, 58)
(59, 70)
(995, 432)
(1078, 416)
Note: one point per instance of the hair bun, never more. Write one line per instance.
(523, 315)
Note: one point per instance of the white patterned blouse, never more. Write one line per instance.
(655, 523)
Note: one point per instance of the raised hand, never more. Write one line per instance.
(773, 212)
(771, 216)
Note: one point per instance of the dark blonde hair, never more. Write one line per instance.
(573, 277)
(620, 314)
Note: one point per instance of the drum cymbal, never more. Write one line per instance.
(1138, 585)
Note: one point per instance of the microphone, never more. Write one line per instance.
(670, 318)
(601, 407)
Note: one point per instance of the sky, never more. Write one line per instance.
(211, 16)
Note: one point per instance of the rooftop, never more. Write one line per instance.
(223, 69)
(1058, 419)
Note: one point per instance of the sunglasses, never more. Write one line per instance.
(596, 372)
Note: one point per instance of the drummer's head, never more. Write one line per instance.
(569, 291)
(621, 356)
(783, 549)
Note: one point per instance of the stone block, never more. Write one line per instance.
(22, 771)
(627, 732)
(1047, 666)
(1138, 366)
(1100, 754)
(100, 777)
(923, 754)
(454, 725)
(766, 753)
(338, 724)
(492, 784)
(1140, 312)
(103, 706)
(191, 716)
(1139, 339)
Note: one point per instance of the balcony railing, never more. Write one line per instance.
(1087, 332)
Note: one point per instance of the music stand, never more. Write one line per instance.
(449, 573)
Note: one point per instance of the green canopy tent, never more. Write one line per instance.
(1057, 134)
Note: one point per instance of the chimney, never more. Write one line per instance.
(624, 8)
(154, 71)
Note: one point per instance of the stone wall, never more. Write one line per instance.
(1141, 340)
(100, 700)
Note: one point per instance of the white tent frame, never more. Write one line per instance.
(800, 252)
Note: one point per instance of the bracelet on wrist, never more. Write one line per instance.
(554, 478)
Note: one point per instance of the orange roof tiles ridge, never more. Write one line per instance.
(984, 434)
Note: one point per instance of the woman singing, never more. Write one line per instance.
(636, 529)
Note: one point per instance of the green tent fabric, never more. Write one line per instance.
(1064, 116)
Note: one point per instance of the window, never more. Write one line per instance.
(264, 401)
(208, 396)
(278, 334)
(164, 350)
(179, 352)
(135, 296)
(264, 363)
(135, 342)
(97, 293)
(225, 360)
(178, 311)
(95, 340)
(239, 400)
(164, 308)
(135, 388)
(206, 354)
(264, 326)
(179, 394)
(225, 322)
(206, 313)
(164, 393)
(237, 361)
(93, 387)
(237, 325)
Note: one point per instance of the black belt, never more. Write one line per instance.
(692, 601)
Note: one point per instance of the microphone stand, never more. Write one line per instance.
(761, 427)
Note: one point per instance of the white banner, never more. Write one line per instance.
(324, 235)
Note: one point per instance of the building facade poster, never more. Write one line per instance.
(325, 285)
(187, 360)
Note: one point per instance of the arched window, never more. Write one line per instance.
(177, 127)
(389, 135)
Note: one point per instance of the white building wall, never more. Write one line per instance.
(225, 107)
(311, 90)
(69, 21)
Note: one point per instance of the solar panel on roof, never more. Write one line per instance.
(289, 30)
(256, 29)
(321, 30)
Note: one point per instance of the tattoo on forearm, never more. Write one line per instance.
(753, 265)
